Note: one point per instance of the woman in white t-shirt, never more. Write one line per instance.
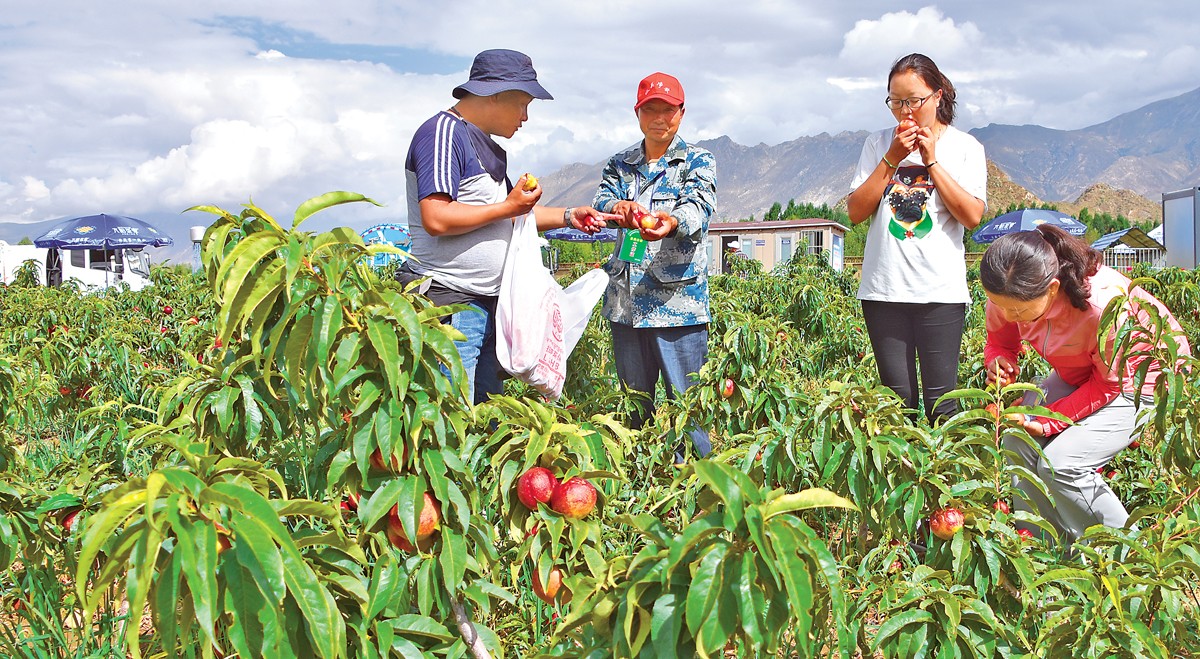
(922, 183)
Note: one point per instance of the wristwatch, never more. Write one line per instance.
(567, 213)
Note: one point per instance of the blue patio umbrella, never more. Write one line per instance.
(1027, 219)
(577, 236)
(102, 232)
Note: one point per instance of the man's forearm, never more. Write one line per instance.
(452, 218)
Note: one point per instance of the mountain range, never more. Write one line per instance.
(1121, 166)
(1127, 162)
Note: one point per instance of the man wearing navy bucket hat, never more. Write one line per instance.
(461, 204)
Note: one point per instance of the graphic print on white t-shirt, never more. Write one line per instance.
(907, 198)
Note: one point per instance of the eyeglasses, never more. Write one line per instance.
(914, 103)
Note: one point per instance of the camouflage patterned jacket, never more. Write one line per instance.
(669, 288)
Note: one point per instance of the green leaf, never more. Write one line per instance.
(453, 558)
(258, 555)
(197, 550)
(752, 603)
(326, 329)
(100, 528)
(705, 588)
(323, 622)
(242, 260)
(251, 303)
(327, 200)
(373, 508)
(893, 625)
(386, 582)
(409, 321)
(251, 619)
(387, 347)
(168, 592)
(806, 500)
(717, 627)
(417, 625)
(797, 578)
(666, 623)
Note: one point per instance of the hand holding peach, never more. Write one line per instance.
(590, 220)
(656, 225)
(645, 220)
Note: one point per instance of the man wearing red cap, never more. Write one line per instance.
(657, 296)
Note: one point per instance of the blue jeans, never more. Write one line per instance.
(643, 354)
(478, 351)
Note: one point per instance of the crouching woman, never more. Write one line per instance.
(1049, 289)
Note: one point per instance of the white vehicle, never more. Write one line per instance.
(93, 268)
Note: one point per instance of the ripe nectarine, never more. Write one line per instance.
(536, 485)
(574, 498)
(946, 522)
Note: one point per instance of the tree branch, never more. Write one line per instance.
(467, 629)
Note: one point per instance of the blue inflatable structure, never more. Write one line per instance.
(395, 235)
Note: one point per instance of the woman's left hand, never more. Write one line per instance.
(1034, 428)
(927, 143)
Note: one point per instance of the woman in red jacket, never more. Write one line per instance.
(1049, 289)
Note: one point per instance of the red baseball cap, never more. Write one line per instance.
(659, 85)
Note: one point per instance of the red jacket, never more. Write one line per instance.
(1068, 339)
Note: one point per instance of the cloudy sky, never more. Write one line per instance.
(146, 108)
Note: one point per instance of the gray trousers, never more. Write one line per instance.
(1082, 498)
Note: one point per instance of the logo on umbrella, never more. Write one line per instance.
(1027, 219)
(85, 230)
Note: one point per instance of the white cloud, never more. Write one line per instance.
(33, 189)
(146, 107)
(877, 43)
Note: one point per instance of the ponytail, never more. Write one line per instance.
(1077, 262)
(1022, 265)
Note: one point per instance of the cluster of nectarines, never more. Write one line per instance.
(947, 522)
(574, 498)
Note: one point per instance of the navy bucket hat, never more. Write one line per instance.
(500, 70)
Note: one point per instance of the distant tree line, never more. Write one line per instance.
(1099, 224)
(804, 210)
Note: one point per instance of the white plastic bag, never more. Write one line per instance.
(538, 323)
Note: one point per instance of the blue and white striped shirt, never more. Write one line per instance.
(451, 156)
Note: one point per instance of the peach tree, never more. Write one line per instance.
(316, 365)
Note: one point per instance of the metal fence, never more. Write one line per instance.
(1125, 259)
